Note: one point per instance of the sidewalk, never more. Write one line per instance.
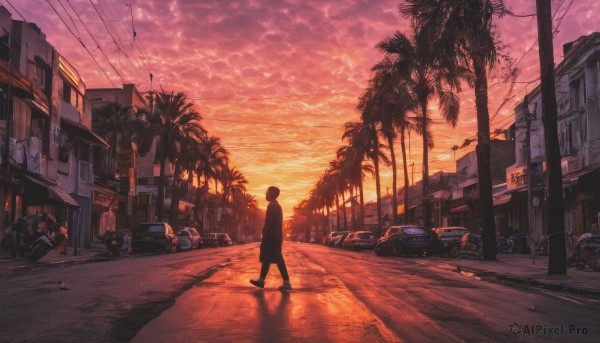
(11, 266)
(521, 270)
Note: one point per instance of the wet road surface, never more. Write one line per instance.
(339, 296)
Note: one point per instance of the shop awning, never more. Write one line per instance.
(55, 193)
(502, 199)
(82, 132)
(458, 209)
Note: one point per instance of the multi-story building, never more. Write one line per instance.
(46, 131)
(117, 205)
(466, 208)
(577, 90)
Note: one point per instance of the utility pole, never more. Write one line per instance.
(527, 146)
(557, 262)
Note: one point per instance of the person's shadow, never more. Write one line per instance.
(273, 310)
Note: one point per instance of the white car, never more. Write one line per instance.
(185, 240)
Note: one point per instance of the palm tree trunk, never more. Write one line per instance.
(325, 232)
(394, 175)
(362, 204)
(378, 185)
(175, 195)
(483, 158)
(406, 181)
(352, 208)
(337, 211)
(425, 162)
(344, 209)
(160, 198)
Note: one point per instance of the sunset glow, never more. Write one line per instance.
(276, 80)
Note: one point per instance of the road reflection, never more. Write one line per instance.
(274, 314)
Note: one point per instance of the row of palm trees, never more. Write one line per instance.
(448, 44)
(173, 128)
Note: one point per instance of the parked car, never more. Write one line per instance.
(189, 238)
(210, 240)
(404, 239)
(446, 240)
(339, 240)
(363, 240)
(331, 238)
(154, 236)
(348, 240)
(224, 239)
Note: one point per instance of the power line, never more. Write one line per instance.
(140, 56)
(137, 55)
(80, 41)
(94, 39)
(116, 43)
(16, 10)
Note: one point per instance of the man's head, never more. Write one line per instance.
(272, 193)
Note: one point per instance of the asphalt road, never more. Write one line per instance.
(339, 296)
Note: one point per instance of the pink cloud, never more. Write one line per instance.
(294, 53)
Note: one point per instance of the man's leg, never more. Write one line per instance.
(264, 270)
(287, 286)
(283, 270)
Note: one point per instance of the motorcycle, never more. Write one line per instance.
(25, 232)
(515, 243)
(113, 241)
(586, 252)
(471, 246)
(47, 240)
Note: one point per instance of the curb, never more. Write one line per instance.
(40, 266)
(524, 281)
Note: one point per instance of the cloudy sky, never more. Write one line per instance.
(277, 79)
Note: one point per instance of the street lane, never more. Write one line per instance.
(338, 295)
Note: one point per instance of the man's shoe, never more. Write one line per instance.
(286, 287)
(258, 283)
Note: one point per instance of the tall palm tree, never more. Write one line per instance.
(426, 74)
(172, 121)
(116, 124)
(185, 166)
(465, 32)
(234, 185)
(390, 103)
(212, 158)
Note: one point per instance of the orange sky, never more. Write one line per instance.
(276, 80)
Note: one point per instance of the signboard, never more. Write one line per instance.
(141, 201)
(516, 178)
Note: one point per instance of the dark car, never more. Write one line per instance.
(210, 240)
(154, 236)
(446, 240)
(363, 240)
(339, 240)
(331, 238)
(403, 240)
(224, 239)
(348, 240)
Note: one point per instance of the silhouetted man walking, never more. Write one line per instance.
(272, 238)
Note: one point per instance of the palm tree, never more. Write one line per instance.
(234, 185)
(115, 123)
(172, 121)
(465, 32)
(184, 166)
(212, 158)
(426, 73)
(390, 103)
(334, 173)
